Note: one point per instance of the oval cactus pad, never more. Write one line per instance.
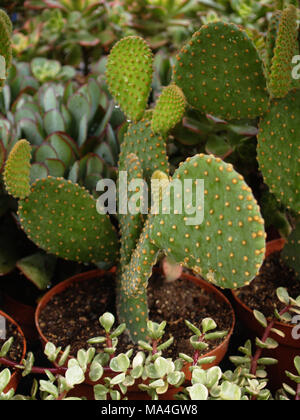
(61, 218)
(129, 75)
(221, 73)
(279, 150)
(226, 247)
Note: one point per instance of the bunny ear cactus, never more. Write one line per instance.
(131, 224)
(129, 75)
(169, 109)
(286, 46)
(17, 170)
(278, 150)
(5, 46)
(150, 148)
(271, 39)
(61, 218)
(6, 20)
(226, 243)
(220, 73)
(57, 215)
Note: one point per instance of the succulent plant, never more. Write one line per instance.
(232, 220)
(228, 218)
(286, 46)
(72, 128)
(211, 73)
(275, 99)
(112, 375)
(278, 150)
(72, 32)
(47, 116)
(45, 70)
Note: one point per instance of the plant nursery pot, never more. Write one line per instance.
(16, 375)
(134, 393)
(23, 314)
(288, 347)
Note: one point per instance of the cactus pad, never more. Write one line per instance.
(17, 170)
(134, 313)
(278, 150)
(221, 73)
(271, 39)
(228, 247)
(6, 20)
(169, 109)
(291, 251)
(285, 48)
(130, 224)
(151, 149)
(5, 43)
(129, 75)
(137, 273)
(61, 218)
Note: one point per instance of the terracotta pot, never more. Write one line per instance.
(134, 393)
(23, 314)
(16, 375)
(288, 348)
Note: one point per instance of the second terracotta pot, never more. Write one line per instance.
(288, 348)
(16, 374)
(134, 393)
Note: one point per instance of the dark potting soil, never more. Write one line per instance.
(72, 316)
(261, 294)
(7, 331)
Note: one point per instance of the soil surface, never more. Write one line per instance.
(72, 316)
(261, 294)
(16, 350)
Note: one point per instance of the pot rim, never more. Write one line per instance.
(92, 273)
(16, 372)
(272, 246)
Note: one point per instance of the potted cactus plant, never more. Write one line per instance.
(213, 226)
(278, 159)
(81, 147)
